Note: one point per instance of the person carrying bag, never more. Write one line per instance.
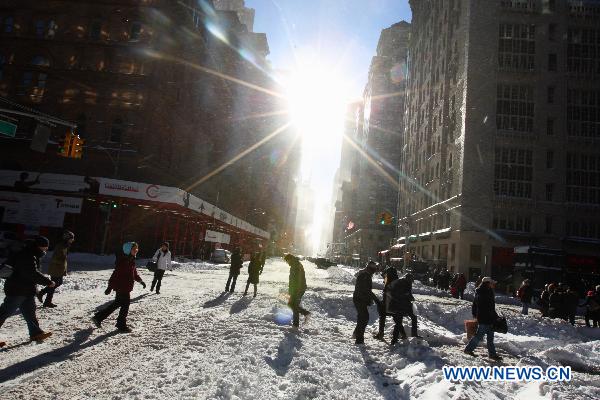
(162, 260)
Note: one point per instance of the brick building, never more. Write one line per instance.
(153, 86)
(502, 124)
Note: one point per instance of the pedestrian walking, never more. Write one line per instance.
(163, 260)
(121, 281)
(592, 307)
(234, 270)
(297, 287)
(444, 279)
(461, 285)
(20, 286)
(544, 301)
(254, 271)
(556, 303)
(400, 306)
(484, 310)
(571, 300)
(525, 293)
(363, 297)
(390, 274)
(57, 268)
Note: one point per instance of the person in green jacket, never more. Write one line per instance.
(57, 268)
(297, 287)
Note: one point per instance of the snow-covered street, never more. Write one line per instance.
(193, 341)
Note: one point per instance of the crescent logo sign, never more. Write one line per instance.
(152, 191)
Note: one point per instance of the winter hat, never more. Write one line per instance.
(166, 244)
(41, 241)
(68, 235)
(590, 293)
(127, 246)
(289, 258)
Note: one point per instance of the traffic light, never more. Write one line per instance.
(64, 145)
(382, 219)
(76, 147)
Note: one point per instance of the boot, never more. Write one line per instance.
(378, 336)
(124, 329)
(40, 296)
(40, 337)
(49, 305)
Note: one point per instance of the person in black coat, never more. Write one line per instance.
(234, 270)
(400, 305)
(390, 274)
(296, 289)
(20, 287)
(254, 271)
(525, 293)
(571, 300)
(363, 297)
(556, 303)
(484, 310)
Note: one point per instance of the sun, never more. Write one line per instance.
(317, 100)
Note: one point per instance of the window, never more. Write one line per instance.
(509, 221)
(136, 30)
(583, 51)
(550, 159)
(583, 178)
(583, 112)
(475, 253)
(552, 62)
(27, 79)
(550, 126)
(549, 191)
(8, 25)
(40, 61)
(33, 85)
(583, 228)
(552, 32)
(513, 172)
(52, 28)
(519, 5)
(514, 108)
(550, 95)
(40, 28)
(116, 131)
(96, 30)
(548, 224)
(516, 47)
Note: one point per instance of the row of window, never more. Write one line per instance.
(511, 222)
(584, 228)
(47, 29)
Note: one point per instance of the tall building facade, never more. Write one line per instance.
(163, 92)
(370, 167)
(501, 142)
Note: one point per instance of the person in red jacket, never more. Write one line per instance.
(121, 281)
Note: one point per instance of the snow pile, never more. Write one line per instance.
(582, 357)
(341, 275)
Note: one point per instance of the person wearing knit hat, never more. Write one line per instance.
(20, 287)
(121, 281)
(57, 268)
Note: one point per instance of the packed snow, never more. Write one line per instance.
(195, 342)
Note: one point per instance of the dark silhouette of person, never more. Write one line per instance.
(22, 185)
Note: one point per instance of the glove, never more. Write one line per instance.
(143, 284)
(107, 291)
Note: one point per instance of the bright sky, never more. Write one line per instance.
(327, 45)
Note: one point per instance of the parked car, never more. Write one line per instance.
(221, 256)
(323, 263)
(9, 243)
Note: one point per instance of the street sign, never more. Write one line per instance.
(7, 129)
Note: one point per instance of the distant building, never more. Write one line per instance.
(502, 128)
(369, 169)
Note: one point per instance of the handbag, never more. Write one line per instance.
(470, 328)
(152, 266)
(500, 325)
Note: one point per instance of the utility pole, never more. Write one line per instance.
(109, 210)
